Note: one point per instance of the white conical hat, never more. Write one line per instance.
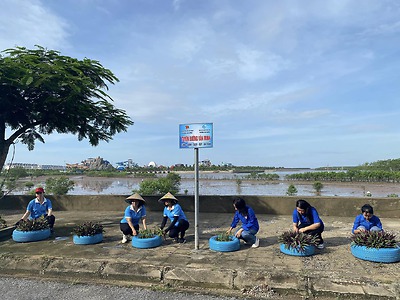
(135, 196)
(168, 196)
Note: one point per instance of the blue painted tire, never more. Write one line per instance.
(229, 246)
(152, 242)
(383, 255)
(308, 251)
(30, 236)
(88, 239)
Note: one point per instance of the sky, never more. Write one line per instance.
(285, 83)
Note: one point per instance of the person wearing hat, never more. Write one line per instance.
(366, 221)
(40, 206)
(135, 212)
(173, 211)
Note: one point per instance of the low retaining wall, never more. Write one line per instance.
(274, 205)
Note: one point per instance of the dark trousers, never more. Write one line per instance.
(316, 232)
(181, 228)
(126, 229)
(51, 220)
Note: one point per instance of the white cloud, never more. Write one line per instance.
(27, 23)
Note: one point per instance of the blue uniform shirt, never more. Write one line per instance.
(361, 221)
(135, 216)
(176, 210)
(37, 210)
(248, 222)
(300, 219)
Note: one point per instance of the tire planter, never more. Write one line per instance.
(30, 236)
(87, 239)
(152, 242)
(220, 246)
(383, 255)
(308, 250)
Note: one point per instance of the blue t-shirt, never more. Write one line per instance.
(175, 211)
(361, 221)
(37, 210)
(134, 215)
(303, 220)
(248, 222)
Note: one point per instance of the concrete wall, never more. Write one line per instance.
(275, 205)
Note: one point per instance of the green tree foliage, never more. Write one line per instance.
(318, 186)
(59, 186)
(292, 190)
(42, 92)
(163, 185)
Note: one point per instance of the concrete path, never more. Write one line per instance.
(262, 272)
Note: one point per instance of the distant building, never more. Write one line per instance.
(34, 166)
(152, 164)
(205, 163)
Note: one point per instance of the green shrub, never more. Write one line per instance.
(170, 183)
(149, 233)
(297, 240)
(59, 186)
(33, 225)
(292, 190)
(224, 237)
(374, 239)
(88, 229)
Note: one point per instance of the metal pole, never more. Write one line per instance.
(196, 198)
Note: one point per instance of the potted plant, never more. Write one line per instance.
(224, 242)
(88, 233)
(376, 246)
(297, 243)
(31, 230)
(5, 230)
(148, 238)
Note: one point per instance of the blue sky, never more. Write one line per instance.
(285, 83)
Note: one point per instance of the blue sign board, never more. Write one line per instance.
(197, 135)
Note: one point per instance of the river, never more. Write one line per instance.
(226, 183)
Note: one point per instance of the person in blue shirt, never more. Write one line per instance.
(40, 206)
(250, 227)
(367, 221)
(307, 220)
(135, 212)
(179, 223)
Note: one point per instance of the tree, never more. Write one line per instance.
(42, 92)
(292, 190)
(318, 186)
(170, 183)
(59, 186)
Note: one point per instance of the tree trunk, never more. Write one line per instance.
(4, 147)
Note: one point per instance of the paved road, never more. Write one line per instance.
(23, 289)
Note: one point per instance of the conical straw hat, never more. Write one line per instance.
(135, 196)
(168, 196)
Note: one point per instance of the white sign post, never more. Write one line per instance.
(197, 135)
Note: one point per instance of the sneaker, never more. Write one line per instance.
(176, 240)
(256, 243)
(181, 241)
(321, 246)
(124, 239)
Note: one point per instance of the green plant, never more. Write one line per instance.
(224, 237)
(297, 240)
(149, 233)
(33, 225)
(59, 186)
(88, 229)
(318, 186)
(374, 239)
(3, 223)
(393, 195)
(163, 185)
(292, 190)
